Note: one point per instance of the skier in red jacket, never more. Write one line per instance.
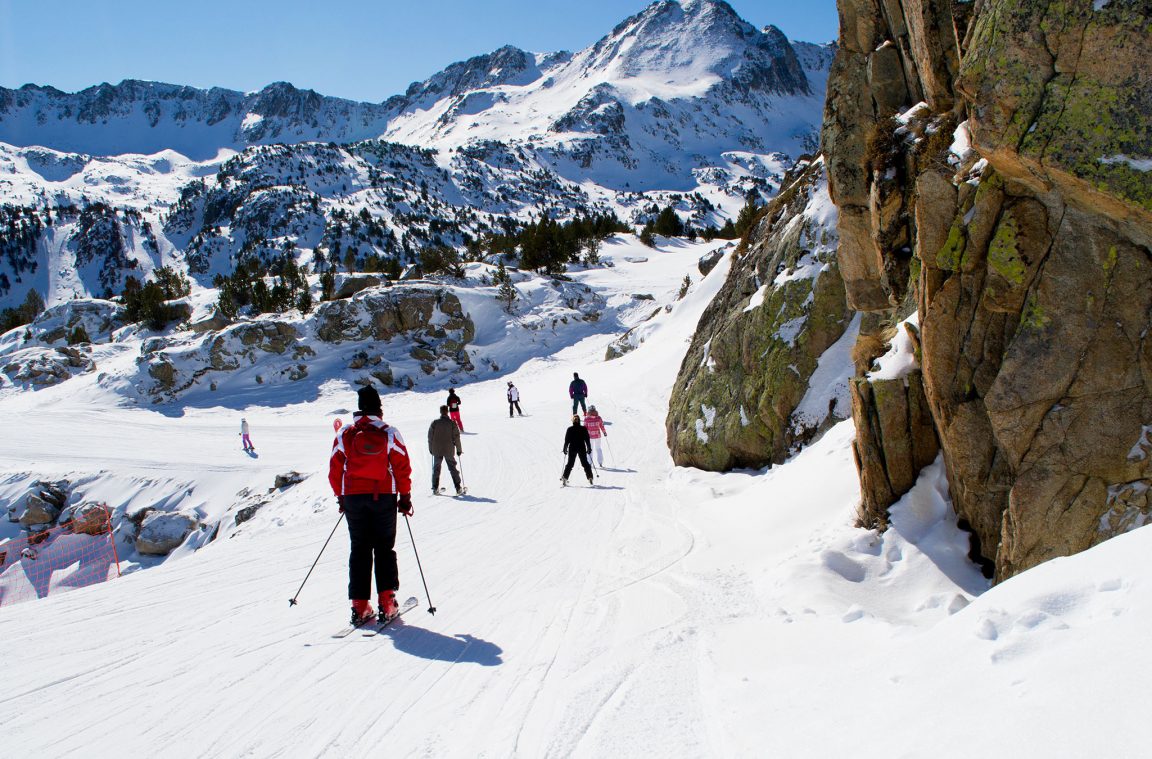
(371, 475)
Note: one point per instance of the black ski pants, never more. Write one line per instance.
(515, 404)
(372, 529)
(578, 400)
(572, 454)
(451, 461)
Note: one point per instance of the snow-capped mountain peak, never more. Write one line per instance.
(693, 42)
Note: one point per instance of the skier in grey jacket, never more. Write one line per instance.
(444, 445)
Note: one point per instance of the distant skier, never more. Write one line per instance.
(453, 404)
(578, 391)
(576, 443)
(244, 437)
(513, 400)
(596, 432)
(444, 445)
(371, 475)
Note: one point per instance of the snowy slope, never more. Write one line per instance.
(667, 612)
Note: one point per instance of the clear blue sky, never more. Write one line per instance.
(356, 49)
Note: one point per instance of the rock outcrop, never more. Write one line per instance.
(42, 367)
(990, 163)
(163, 532)
(757, 345)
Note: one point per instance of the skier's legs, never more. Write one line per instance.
(584, 463)
(436, 471)
(247, 442)
(455, 415)
(598, 449)
(571, 463)
(453, 470)
(360, 532)
(384, 548)
(518, 411)
(583, 408)
(510, 405)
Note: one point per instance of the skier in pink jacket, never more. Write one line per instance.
(595, 426)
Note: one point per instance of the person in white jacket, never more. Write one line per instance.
(244, 438)
(513, 400)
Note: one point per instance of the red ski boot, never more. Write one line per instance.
(388, 607)
(361, 612)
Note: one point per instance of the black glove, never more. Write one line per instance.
(340, 503)
(404, 504)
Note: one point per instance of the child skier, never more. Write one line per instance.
(371, 475)
(595, 426)
(453, 404)
(576, 443)
(513, 400)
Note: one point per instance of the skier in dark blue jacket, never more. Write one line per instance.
(578, 392)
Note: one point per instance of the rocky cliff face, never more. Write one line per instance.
(991, 166)
(743, 397)
(1013, 209)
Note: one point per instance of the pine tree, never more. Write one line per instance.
(647, 237)
(506, 293)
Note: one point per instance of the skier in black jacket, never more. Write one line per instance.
(577, 443)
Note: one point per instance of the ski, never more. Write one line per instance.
(463, 491)
(353, 628)
(438, 491)
(371, 626)
(408, 605)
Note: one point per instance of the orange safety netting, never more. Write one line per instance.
(73, 554)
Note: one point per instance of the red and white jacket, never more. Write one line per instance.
(595, 426)
(385, 469)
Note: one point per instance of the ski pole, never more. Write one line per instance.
(292, 600)
(460, 463)
(431, 608)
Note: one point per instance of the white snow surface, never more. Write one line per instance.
(668, 612)
(900, 358)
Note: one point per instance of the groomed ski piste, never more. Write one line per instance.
(668, 612)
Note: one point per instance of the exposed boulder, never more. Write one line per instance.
(163, 532)
(348, 285)
(95, 318)
(760, 340)
(214, 321)
(91, 518)
(38, 511)
(895, 439)
(287, 479)
(709, 260)
(431, 318)
(42, 367)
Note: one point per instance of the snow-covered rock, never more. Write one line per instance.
(163, 532)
